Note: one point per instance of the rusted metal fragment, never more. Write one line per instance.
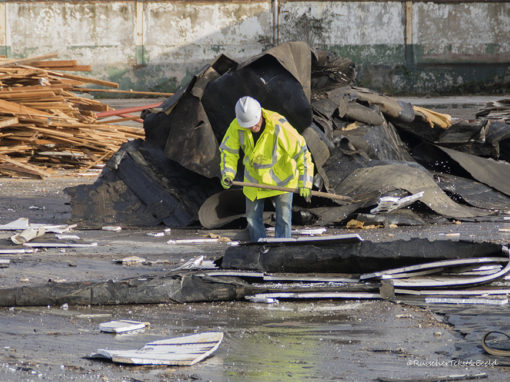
(348, 256)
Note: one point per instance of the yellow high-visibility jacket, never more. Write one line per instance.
(280, 157)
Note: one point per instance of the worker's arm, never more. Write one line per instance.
(229, 155)
(298, 150)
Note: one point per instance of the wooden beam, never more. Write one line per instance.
(88, 90)
(15, 108)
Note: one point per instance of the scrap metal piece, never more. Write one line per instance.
(182, 351)
(435, 264)
(451, 281)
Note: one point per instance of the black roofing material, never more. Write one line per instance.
(474, 193)
(141, 187)
(485, 170)
(363, 144)
(348, 256)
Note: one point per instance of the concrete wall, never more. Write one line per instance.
(406, 47)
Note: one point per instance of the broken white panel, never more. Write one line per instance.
(4, 263)
(197, 263)
(15, 251)
(166, 232)
(182, 351)
(114, 228)
(156, 234)
(121, 326)
(27, 235)
(392, 203)
(319, 295)
(67, 237)
(130, 260)
(303, 231)
(23, 223)
(262, 299)
(59, 245)
(477, 301)
(192, 241)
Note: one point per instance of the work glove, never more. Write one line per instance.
(306, 193)
(226, 182)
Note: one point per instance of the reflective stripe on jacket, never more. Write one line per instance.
(280, 157)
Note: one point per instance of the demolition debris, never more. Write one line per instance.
(45, 127)
(365, 146)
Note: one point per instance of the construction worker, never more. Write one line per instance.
(274, 154)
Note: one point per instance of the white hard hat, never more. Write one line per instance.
(248, 112)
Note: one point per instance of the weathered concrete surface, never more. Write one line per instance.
(409, 47)
(347, 341)
(324, 340)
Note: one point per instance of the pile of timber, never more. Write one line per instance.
(45, 128)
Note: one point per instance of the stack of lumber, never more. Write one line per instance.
(45, 128)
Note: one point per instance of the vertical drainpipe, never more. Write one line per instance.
(140, 56)
(409, 43)
(4, 33)
(276, 11)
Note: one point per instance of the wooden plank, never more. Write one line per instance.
(138, 92)
(84, 79)
(18, 166)
(127, 110)
(55, 63)
(12, 107)
(27, 94)
(4, 122)
(11, 62)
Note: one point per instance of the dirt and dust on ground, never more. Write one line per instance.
(322, 340)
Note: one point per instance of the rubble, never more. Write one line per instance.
(364, 146)
(182, 351)
(45, 126)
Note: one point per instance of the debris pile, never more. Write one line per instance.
(364, 145)
(45, 127)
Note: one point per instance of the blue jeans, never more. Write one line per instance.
(255, 211)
